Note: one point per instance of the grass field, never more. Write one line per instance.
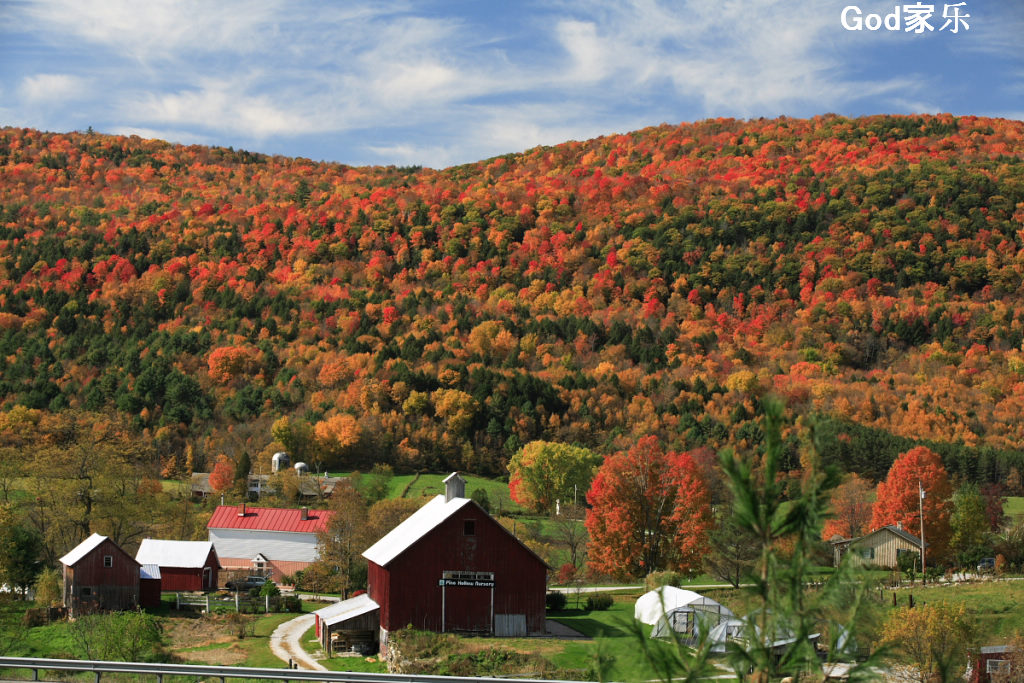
(998, 606)
(1014, 507)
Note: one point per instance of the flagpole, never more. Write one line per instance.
(920, 508)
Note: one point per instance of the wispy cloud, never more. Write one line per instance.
(46, 88)
(427, 82)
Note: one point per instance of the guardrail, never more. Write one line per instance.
(197, 671)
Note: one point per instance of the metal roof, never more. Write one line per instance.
(83, 549)
(348, 609)
(187, 554)
(413, 529)
(268, 519)
(149, 571)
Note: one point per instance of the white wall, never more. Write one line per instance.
(275, 545)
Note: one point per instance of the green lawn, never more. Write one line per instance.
(1014, 507)
(615, 639)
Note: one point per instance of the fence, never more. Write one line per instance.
(222, 673)
(239, 602)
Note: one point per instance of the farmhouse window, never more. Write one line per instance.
(108, 560)
(997, 666)
(469, 527)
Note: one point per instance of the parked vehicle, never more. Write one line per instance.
(986, 565)
(247, 583)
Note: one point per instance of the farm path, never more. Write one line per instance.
(284, 643)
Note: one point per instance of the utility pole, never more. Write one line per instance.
(920, 509)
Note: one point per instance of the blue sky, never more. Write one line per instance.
(440, 83)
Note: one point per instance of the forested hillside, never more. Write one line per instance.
(866, 271)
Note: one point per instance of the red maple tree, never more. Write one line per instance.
(898, 500)
(649, 511)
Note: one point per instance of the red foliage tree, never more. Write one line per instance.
(898, 499)
(851, 509)
(649, 511)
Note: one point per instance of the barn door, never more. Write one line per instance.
(467, 601)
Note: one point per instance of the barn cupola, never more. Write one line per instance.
(454, 487)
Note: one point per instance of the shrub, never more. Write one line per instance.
(479, 496)
(668, 577)
(599, 602)
(555, 601)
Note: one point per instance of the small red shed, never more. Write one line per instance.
(991, 660)
(453, 567)
(184, 565)
(99, 577)
(149, 586)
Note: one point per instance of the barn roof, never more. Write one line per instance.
(187, 554)
(418, 525)
(347, 609)
(83, 549)
(268, 519)
(149, 571)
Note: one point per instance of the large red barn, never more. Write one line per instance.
(451, 567)
(184, 565)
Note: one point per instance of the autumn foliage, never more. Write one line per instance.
(851, 509)
(223, 474)
(898, 499)
(649, 511)
(657, 282)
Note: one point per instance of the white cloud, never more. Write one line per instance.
(45, 88)
(157, 29)
(221, 105)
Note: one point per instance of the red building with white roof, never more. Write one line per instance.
(271, 541)
(183, 565)
(450, 567)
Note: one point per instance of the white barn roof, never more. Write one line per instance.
(82, 549)
(186, 554)
(347, 609)
(419, 524)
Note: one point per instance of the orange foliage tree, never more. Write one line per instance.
(898, 501)
(851, 509)
(649, 511)
(223, 474)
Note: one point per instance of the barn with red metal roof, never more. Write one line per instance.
(274, 542)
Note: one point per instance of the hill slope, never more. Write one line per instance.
(656, 282)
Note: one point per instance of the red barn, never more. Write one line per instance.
(99, 577)
(453, 567)
(184, 565)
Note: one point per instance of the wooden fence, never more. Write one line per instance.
(239, 602)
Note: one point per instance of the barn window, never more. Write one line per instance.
(86, 591)
(108, 560)
(469, 527)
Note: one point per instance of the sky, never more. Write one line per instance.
(438, 83)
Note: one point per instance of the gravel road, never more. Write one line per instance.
(284, 643)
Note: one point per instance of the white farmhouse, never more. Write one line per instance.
(270, 541)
